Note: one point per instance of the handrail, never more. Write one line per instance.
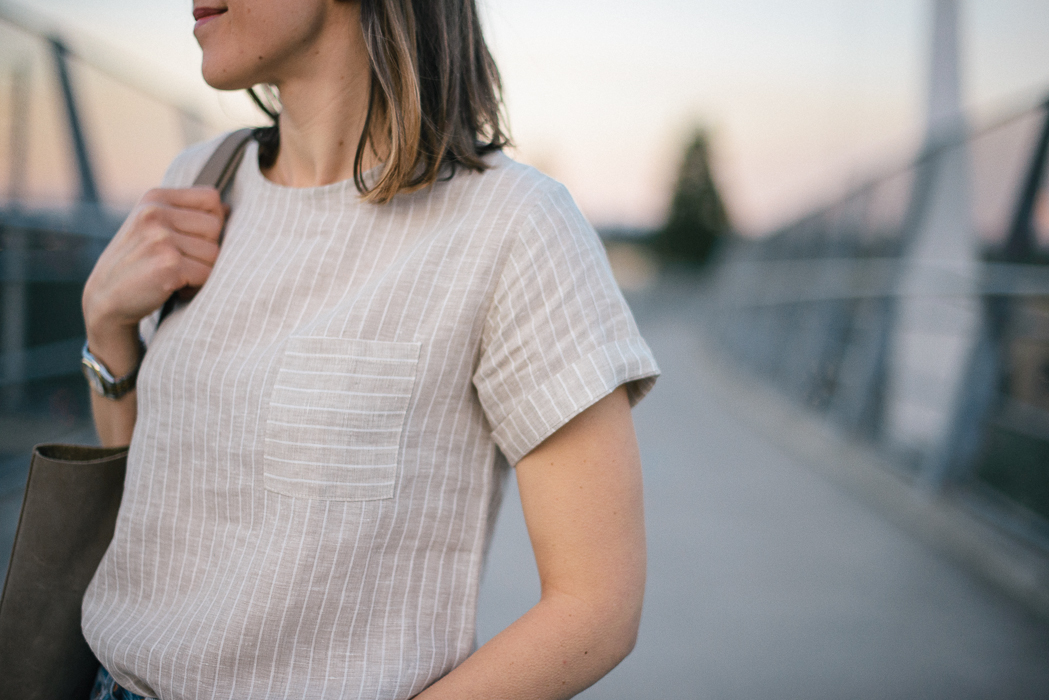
(941, 363)
(828, 279)
(104, 58)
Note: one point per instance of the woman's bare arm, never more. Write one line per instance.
(115, 418)
(168, 242)
(582, 497)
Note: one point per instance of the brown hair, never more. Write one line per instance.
(435, 95)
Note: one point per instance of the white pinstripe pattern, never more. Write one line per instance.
(323, 432)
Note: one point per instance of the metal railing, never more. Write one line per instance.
(914, 313)
(81, 136)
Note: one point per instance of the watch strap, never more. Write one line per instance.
(102, 380)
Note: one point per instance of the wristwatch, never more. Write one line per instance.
(101, 379)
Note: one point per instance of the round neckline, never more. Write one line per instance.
(332, 188)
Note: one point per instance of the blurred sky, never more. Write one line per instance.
(802, 97)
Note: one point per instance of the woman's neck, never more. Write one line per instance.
(325, 104)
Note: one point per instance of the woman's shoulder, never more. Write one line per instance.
(510, 183)
(184, 168)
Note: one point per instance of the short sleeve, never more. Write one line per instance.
(558, 335)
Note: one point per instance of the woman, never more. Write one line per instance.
(399, 314)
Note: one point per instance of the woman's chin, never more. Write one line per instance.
(225, 79)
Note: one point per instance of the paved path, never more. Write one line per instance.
(767, 582)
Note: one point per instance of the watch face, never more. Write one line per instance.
(93, 379)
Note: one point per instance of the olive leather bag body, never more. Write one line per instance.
(68, 515)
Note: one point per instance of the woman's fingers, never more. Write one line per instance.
(200, 198)
(194, 272)
(162, 213)
(196, 248)
(167, 219)
(193, 222)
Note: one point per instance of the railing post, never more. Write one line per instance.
(19, 147)
(12, 335)
(1020, 243)
(12, 339)
(88, 189)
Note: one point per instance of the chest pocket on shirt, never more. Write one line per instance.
(336, 417)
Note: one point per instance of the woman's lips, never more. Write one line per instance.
(203, 15)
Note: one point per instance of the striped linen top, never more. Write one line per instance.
(323, 431)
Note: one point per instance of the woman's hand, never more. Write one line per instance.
(169, 242)
(582, 498)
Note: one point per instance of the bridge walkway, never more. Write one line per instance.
(769, 579)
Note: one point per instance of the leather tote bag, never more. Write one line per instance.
(68, 514)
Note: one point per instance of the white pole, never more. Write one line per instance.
(939, 311)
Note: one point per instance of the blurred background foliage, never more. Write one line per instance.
(697, 221)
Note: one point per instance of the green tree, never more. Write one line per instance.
(697, 219)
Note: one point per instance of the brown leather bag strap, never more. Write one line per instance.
(223, 163)
(217, 172)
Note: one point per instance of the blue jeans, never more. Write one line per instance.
(107, 689)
